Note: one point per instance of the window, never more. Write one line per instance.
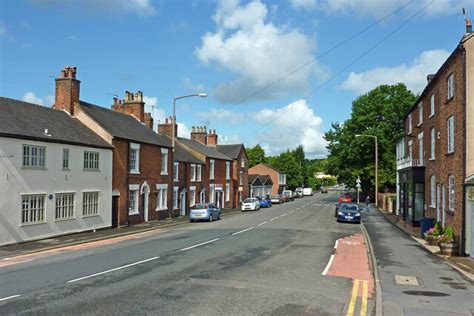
(433, 143)
(162, 197)
(192, 196)
(433, 191)
(198, 171)
(65, 159)
(164, 161)
(176, 171)
(420, 113)
(211, 171)
(193, 172)
(90, 203)
(432, 105)
(91, 160)
(450, 134)
(450, 86)
(34, 156)
(32, 209)
(133, 199)
(175, 198)
(64, 205)
(227, 192)
(451, 193)
(134, 158)
(242, 163)
(410, 127)
(212, 193)
(240, 178)
(421, 152)
(410, 150)
(227, 170)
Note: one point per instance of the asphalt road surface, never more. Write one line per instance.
(276, 261)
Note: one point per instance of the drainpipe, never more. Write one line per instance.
(462, 239)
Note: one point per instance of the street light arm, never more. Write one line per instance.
(201, 95)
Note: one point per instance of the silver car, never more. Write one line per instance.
(204, 212)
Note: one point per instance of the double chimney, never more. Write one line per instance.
(67, 90)
(133, 105)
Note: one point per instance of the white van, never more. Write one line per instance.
(307, 191)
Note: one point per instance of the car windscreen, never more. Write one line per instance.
(249, 200)
(349, 207)
(199, 206)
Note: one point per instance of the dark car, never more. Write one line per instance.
(348, 212)
(265, 201)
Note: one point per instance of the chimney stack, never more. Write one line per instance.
(212, 138)
(67, 90)
(132, 105)
(468, 26)
(166, 128)
(430, 77)
(199, 133)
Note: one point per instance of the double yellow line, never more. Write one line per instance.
(353, 302)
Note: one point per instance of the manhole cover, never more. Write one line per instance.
(406, 280)
(425, 293)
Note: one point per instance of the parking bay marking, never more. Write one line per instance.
(328, 265)
(243, 231)
(9, 297)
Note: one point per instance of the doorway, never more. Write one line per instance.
(182, 200)
(115, 203)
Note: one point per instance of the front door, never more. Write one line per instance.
(115, 202)
(182, 199)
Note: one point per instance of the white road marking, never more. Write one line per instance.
(335, 245)
(274, 218)
(261, 224)
(201, 244)
(112, 270)
(292, 211)
(242, 231)
(328, 266)
(298, 208)
(9, 297)
(283, 214)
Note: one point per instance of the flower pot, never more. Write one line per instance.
(448, 249)
(432, 240)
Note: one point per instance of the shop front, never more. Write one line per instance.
(412, 194)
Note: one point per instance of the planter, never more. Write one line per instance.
(448, 249)
(431, 240)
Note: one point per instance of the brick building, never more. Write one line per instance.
(278, 177)
(431, 159)
(142, 159)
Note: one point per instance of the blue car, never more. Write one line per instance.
(265, 201)
(348, 212)
(204, 212)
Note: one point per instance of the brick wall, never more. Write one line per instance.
(264, 170)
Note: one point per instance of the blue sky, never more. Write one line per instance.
(231, 50)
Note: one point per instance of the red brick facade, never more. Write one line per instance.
(263, 169)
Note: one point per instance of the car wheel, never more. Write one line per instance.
(191, 221)
(219, 216)
(210, 218)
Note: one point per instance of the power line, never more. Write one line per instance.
(312, 60)
(352, 63)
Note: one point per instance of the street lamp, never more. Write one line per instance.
(200, 95)
(376, 165)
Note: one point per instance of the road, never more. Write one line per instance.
(291, 259)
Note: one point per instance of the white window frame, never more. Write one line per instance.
(135, 169)
(162, 197)
(451, 86)
(420, 113)
(164, 161)
(421, 149)
(176, 171)
(212, 166)
(33, 209)
(134, 190)
(227, 192)
(227, 170)
(242, 162)
(450, 130)
(451, 193)
(433, 144)
(91, 160)
(66, 155)
(202, 196)
(33, 157)
(410, 124)
(198, 172)
(433, 191)
(193, 172)
(432, 105)
(90, 203)
(175, 197)
(410, 150)
(64, 205)
(240, 178)
(212, 193)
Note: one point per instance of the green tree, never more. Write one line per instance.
(256, 155)
(287, 163)
(380, 112)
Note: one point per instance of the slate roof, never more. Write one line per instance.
(255, 177)
(182, 154)
(203, 149)
(124, 126)
(231, 151)
(266, 179)
(24, 120)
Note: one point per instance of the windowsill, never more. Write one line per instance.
(419, 124)
(431, 115)
(449, 100)
(175, 208)
(66, 169)
(32, 224)
(432, 206)
(33, 168)
(176, 180)
(91, 215)
(64, 219)
(133, 212)
(92, 170)
(449, 212)
(193, 180)
(161, 209)
(164, 173)
(134, 172)
(432, 159)
(450, 153)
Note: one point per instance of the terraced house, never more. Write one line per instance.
(435, 159)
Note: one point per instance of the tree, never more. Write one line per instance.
(256, 155)
(380, 112)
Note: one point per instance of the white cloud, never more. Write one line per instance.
(303, 4)
(413, 75)
(222, 115)
(257, 52)
(183, 130)
(290, 126)
(32, 98)
(3, 29)
(150, 101)
(196, 88)
(231, 139)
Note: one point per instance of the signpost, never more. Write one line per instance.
(358, 188)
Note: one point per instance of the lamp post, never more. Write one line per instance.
(376, 165)
(201, 95)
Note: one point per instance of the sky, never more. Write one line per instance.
(277, 73)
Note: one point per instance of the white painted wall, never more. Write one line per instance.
(15, 181)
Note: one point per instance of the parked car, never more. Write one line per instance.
(291, 197)
(324, 190)
(204, 211)
(276, 199)
(285, 198)
(349, 212)
(307, 191)
(250, 204)
(265, 201)
(299, 192)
